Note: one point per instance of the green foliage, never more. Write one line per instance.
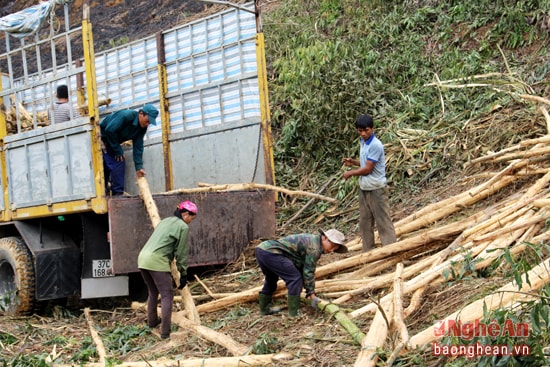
(86, 352)
(124, 338)
(266, 344)
(26, 361)
(333, 60)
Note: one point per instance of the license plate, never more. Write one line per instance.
(102, 268)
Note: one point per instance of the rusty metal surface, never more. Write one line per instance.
(227, 222)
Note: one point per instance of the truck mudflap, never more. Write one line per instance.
(56, 259)
(213, 238)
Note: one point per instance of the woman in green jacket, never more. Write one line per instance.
(168, 241)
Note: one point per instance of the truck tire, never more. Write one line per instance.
(17, 281)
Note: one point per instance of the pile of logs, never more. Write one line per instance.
(26, 119)
(431, 251)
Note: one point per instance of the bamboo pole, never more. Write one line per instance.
(502, 298)
(342, 318)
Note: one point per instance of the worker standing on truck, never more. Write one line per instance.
(169, 240)
(62, 110)
(293, 259)
(117, 128)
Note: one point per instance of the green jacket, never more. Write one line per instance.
(169, 240)
(304, 250)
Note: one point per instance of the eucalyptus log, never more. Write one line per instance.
(225, 341)
(436, 211)
(504, 297)
(95, 337)
(397, 319)
(249, 186)
(375, 338)
(251, 360)
(152, 210)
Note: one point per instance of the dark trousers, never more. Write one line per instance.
(159, 282)
(114, 174)
(275, 266)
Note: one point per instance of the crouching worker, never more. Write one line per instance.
(169, 240)
(294, 259)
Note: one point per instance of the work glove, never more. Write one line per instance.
(183, 281)
(315, 302)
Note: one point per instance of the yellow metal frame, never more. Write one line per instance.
(269, 162)
(5, 214)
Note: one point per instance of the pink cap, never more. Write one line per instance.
(189, 206)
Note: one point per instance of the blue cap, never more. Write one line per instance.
(152, 112)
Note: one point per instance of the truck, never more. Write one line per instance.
(61, 234)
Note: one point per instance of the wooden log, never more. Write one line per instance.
(249, 186)
(525, 143)
(436, 211)
(225, 341)
(437, 234)
(431, 276)
(504, 297)
(342, 318)
(189, 305)
(241, 297)
(150, 206)
(251, 360)
(375, 338)
(95, 337)
(397, 319)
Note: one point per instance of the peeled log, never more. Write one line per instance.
(501, 298)
(145, 194)
(225, 341)
(252, 360)
(376, 337)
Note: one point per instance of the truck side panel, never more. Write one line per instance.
(224, 225)
(50, 165)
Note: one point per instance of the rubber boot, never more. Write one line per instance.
(265, 305)
(265, 302)
(293, 305)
